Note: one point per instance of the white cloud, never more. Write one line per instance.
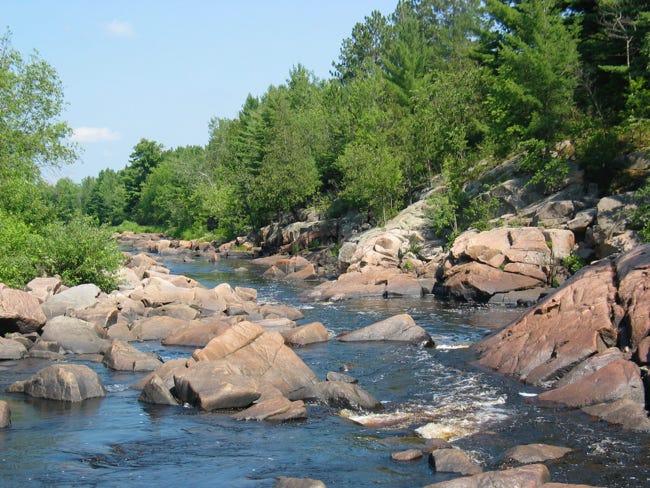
(119, 28)
(95, 134)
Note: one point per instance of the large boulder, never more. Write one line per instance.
(399, 328)
(157, 392)
(75, 335)
(64, 382)
(43, 288)
(564, 328)
(633, 271)
(157, 328)
(75, 298)
(610, 234)
(453, 461)
(19, 311)
(234, 369)
(306, 334)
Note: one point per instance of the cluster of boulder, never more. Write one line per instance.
(243, 359)
(588, 342)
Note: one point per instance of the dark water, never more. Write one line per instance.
(119, 441)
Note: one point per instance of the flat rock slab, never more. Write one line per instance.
(535, 453)
(64, 382)
(277, 408)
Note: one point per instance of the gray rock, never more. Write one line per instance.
(75, 298)
(334, 376)
(157, 393)
(11, 350)
(74, 335)
(338, 394)
(63, 382)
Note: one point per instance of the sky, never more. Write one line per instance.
(162, 69)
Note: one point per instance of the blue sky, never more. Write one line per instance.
(161, 69)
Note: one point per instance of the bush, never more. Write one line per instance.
(19, 251)
(574, 263)
(80, 252)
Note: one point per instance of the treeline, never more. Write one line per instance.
(425, 93)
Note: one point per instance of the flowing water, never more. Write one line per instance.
(427, 393)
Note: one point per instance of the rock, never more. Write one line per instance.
(121, 331)
(617, 380)
(522, 298)
(643, 351)
(339, 395)
(280, 325)
(402, 284)
(196, 334)
(19, 312)
(211, 388)
(101, 315)
(453, 461)
(75, 298)
(246, 294)
(590, 366)
(334, 376)
(613, 218)
(166, 373)
(304, 274)
(121, 356)
(535, 453)
(582, 220)
(43, 288)
(274, 273)
(306, 334)
(157, 328)
(75, 335)
(633, 273)
(407, 456)
(562, 243)
(627, 413)
(157, 392)
(179, 311)
(275, 311)
(554, 213)
(401, 328)
(563, 329)
(11, 350)
(284, 482)
(369, 281)
(5, 415)
(477, 282)
(277, 408)
(64, 382)
(529, 476)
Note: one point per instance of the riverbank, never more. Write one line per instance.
(417, 374)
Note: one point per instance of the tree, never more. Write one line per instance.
(107, 199)
(145, 157)
(537, 71)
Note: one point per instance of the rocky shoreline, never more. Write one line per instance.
(586, 340)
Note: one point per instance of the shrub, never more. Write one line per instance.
(19, 251)
(574, 263)
(641, 216)
(81, 252)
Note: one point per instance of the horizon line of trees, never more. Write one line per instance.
(420, 95)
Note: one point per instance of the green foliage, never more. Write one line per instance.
(80, 252)
(546, 168)
(19, 251)
(574, 263)
(641, 216)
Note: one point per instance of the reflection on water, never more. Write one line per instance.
(116, 440)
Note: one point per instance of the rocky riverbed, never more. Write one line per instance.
(589, 333)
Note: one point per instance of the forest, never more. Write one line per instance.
(438, 91)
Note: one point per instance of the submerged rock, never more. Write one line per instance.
(535, 453)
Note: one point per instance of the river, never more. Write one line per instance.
(117, 441)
